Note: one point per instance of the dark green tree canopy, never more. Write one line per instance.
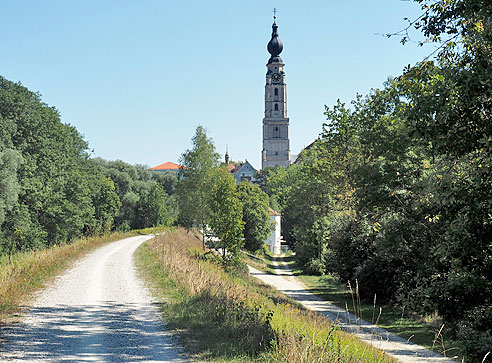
(52, 192)
(256, 217)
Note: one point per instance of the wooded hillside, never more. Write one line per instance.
(52, 192)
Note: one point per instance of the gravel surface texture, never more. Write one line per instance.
(98, 311)
(392, 344)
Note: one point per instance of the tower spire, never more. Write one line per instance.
(276, 143)
(275, 46)
(227, 155)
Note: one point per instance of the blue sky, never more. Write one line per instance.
(137, 77)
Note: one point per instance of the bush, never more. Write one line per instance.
(352, 243)
(379, 275)
(475, 329)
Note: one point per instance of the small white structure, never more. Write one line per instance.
(273, 241)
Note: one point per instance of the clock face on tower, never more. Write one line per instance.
(276, 77)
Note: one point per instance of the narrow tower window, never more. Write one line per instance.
(276, 107)
(276, 133)
(276, 91)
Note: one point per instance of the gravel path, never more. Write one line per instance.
(99, 311)
(390, 343)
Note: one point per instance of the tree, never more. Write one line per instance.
(51, 191)
(106, 203)
(54, 201)
(272, 181)
(256, 217)
(227, 214)
(449, 98)
(152, 208)
(168, 180)
(196, 180)
(10, 161)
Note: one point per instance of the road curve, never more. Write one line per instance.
(98, 311)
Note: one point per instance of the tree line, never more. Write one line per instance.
(397, 191)
(52, 192)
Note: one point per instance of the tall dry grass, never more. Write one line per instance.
(270, 326)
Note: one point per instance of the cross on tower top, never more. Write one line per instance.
(275, 13)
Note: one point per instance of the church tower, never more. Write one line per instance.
(276, 145)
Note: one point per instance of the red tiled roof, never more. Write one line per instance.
(167, 166)
(273, 213)
(234, 167)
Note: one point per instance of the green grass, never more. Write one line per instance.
(228, 317)
(259, 263)
(419, 330)
(186, 315)
(264, 262)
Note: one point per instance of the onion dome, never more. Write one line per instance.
(227, 157)
(275, 46)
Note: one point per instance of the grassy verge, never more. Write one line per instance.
(423, 331)
(265, 262)
(259, 263)
(231, 317)
(23, 273)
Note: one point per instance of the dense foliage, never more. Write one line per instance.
(51, 192)
(256, 215)
(147, 198)
(397, 191)
(226, 214)
(236, 215)
(196, 178)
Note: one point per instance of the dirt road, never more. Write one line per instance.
(99, 311)
(393, 345)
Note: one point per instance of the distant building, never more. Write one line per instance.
(276, 142)
(244, 171)
(241, 171)
(274, 240)
(169, 166)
